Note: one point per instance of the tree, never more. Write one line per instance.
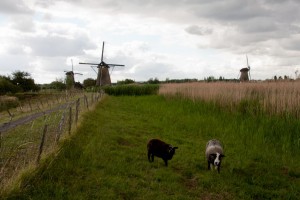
(58, 85)
(6, 86)
(24, 81)
(89, 82)
(126, 81)
(155, 81)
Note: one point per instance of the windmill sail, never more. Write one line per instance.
(103, 76)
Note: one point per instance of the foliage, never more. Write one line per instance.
(24, 80)
(89, 82)
(110, 162)
(126, 81)
(132, 90)
(58, 85)
(7, 102)
(153, 81)
(6, 86)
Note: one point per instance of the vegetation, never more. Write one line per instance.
(132, 89)
(89, 82)
(126, 81)
(6, 86)
(107, 158)
(58, 85)
(271, 98)
(19, 81)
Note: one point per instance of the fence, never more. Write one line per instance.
(25, 140)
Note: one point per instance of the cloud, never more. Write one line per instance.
(23, 23)
(196, 30)
(14, 7)
(174, 39)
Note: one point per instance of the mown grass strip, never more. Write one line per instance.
(107, 159)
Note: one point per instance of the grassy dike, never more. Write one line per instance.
(106, 159)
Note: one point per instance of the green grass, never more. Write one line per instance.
(132, 89)
(107, 158)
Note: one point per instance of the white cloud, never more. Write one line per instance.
(158, 38)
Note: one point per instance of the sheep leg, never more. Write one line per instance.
(150, 156)
(166, 163)
(208, 166)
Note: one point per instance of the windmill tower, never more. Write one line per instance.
(70, 78)
(103, 76)
(245, 72)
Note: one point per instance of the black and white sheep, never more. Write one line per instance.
(214, 153)
(160, 149)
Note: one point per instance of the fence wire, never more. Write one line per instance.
(26, 143)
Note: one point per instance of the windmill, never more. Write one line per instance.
(103, 77)
(70, 77)
(245, 72)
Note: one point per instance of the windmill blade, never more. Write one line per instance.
(247, 60)
(78, 73)
(102, 51)
(72, 64)
(116, 65)
(249, 75)
(238, 77)
(88, 63)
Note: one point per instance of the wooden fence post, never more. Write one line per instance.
(30, 106)
(10, 115)
(42, 144)
(60, 128)
(70, 120)
(86, 101)
(77, 110)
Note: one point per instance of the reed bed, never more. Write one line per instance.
(274, 98)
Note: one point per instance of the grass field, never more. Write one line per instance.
(107, 159)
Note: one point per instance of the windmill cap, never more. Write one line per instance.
(244, 70)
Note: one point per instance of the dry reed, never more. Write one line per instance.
(268, 97)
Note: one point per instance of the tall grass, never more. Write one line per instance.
(107, 157)
(132, 89)
(273, 98)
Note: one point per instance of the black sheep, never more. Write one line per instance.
(160, 149)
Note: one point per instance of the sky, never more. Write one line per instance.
(163, 39)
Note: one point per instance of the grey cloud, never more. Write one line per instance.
(196, 30)
(23, 23)
(54, 45)
(14, 7)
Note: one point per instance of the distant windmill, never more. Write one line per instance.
(245, 72)
(103, 77)
(70, 77)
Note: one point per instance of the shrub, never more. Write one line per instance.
(7, 102)
(132, 90)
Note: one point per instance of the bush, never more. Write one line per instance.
(8, 87)
(7, 102)
(132, 90)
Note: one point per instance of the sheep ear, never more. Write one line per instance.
(175, 147)
(222, 155)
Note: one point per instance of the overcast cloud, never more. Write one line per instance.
(154, 39)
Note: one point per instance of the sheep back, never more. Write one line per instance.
(213, 146)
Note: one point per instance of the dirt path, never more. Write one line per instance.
(12, 124)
